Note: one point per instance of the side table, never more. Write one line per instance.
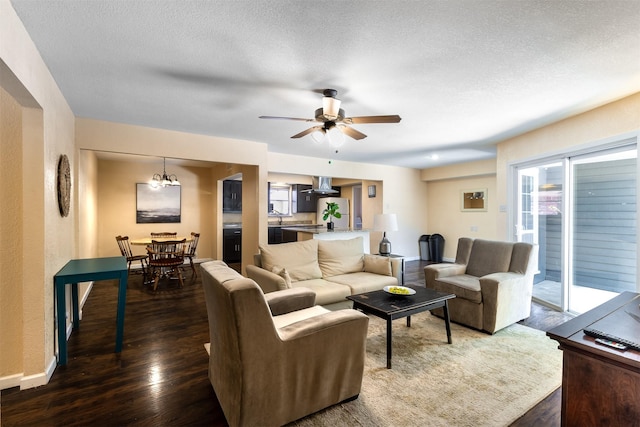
(84, 270)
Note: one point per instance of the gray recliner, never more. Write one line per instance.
(492, 281)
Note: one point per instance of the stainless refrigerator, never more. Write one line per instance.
(343, 204)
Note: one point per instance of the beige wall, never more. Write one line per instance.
(48, 240)
(11, 214)
(200, 188)
(117, 204)
(444, 213)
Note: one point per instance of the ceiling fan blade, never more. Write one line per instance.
(351, 132)
(287, 118)
(372, 119)
(307, 132)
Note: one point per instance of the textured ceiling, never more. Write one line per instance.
(463, 75)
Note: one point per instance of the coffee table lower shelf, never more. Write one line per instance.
(390, 307)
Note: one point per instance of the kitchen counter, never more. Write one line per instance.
(321, 233)
(320, 229)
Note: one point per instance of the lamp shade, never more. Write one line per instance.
(385, 222)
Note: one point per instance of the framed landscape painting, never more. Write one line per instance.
(157, 205)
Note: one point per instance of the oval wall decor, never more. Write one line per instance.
(64, 185)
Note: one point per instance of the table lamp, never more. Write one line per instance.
(384, 223)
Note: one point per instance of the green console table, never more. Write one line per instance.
(85, 270)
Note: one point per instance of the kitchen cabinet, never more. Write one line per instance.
(231, 196)
(232, 245)
(303, 201)
(275, 235)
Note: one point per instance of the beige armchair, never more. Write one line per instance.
(269, 365)
(492, 281)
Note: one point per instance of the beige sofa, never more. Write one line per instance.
(268, 369)
(333, 269)
(492, 281)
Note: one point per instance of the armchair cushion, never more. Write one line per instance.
(489, 257)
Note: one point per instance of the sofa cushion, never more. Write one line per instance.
(299, 258)
(377, 264)
(464, 286)
(340, 256)
(326, 292)
(489, 257)
(361, 281)
(282, 272)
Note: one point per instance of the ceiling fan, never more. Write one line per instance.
(333, 120)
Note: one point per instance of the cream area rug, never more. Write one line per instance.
(479, 380)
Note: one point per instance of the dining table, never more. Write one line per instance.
(146, 241)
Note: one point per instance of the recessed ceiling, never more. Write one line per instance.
(462, 74)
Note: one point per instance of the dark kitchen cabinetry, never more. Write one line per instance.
(232, 245)
(275, 235)
(302, 200)
(231, 196)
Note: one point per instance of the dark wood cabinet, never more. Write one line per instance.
(275, 235)
(231, 196)
(232, 245)
(601, 385)
(303, 201)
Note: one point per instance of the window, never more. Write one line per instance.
(279, 199)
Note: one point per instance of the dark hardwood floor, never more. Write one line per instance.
(160, 378)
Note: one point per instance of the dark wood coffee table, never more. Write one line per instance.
(389, 307)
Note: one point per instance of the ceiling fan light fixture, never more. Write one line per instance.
(330, 107)
(335, 137)
(318, 136)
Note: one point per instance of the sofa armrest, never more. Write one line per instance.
(268, 281)
(396, 269)
(506, 298)
(288, 300)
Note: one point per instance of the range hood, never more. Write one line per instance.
(321, 185)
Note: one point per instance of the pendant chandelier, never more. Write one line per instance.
(164, 179)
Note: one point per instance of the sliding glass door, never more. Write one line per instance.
(581, 212)
(602, 251)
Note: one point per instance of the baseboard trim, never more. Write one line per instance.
(10, 381)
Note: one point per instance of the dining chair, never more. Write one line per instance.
(164, 234)
(191, 252)
(125, 250)
(166, 258)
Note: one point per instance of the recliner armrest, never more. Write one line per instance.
(288, 300)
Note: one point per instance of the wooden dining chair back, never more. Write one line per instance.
(164, 234)
(125, 250)
(191, 252)
(166, 259)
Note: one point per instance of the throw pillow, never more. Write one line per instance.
(299, 258)
(282, 272)
(377, 264)
(338, 257)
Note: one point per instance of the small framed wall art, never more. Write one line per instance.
(474, 200)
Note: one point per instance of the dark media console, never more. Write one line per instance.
(600, 383)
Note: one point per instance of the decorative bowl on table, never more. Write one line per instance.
(399, 290)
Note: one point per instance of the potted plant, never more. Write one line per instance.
(331, 212)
